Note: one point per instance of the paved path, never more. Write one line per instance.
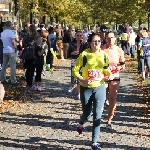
(49, 122)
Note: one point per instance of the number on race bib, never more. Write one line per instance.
(94, 74)
(113, 69)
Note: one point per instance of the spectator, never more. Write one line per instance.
(23, 33)
(1, 49)
(59, 36)
(66, 42)
(36, 23)
(137, 41)
(76, 47)
(85, 34)
(73, 34)
(132, 43)
(45, 47)
(52, 44)
(124, 42)
(29, 62)
(9, 52)
(103, 30)
(39, 61)
(144, 48)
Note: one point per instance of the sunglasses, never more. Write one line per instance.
(98, 41)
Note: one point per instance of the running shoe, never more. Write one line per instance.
(40, 89)
(5, 81)
(71, 89)
(80, 128)
(95, 146)
(31, 87)
(16, 82)
(109, 126)
(107, 102)
(35, 88)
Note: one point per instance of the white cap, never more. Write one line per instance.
(38, 28)
(43, 28)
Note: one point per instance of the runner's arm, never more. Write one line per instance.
(121, 59)
(77, 67)
(106, 69)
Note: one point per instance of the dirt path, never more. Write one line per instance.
(49, 121)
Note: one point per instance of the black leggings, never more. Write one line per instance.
(39, 68)
(30, 68)
(125, 46)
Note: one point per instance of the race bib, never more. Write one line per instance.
(113, 69)
(94, 74)
(73, 62)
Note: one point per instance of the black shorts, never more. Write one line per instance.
(115, 79)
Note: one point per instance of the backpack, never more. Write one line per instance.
(29, 48)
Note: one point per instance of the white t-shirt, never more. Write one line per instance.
(132, 38)
(85, 37)
(6, 36)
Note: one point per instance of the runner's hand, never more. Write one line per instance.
(119, 68)
(111, 77)
(87, 82)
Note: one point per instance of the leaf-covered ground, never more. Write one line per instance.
(143, 87)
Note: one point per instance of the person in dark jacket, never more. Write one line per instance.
(103, 30)
(137, 41)
(51, 45)
(75, 48)
(66, 42)
(29, 64)
(39, 62)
